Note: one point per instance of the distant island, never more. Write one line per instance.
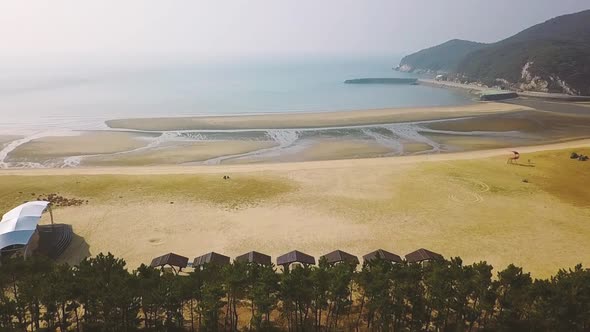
(382, 81)
(549, 57)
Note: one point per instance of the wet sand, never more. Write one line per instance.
(86, 143)
(553, 123)
(454, 143)
(175, 154)
(469, 204)
(491, 125)
(323, 149)
(295, 166)
(551, 106)
(6, 139)
(312, 120)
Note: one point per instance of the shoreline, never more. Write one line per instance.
(310, 120)
(308, 136)
(471, 88)
(475, 89)
(295, 166)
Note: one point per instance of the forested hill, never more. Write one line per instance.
(553, 56)
(441, 58)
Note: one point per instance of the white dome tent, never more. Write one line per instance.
(19, 224)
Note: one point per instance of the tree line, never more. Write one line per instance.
(100, 294)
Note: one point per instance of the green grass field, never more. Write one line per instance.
(234, 193)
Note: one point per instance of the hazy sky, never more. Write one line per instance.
(37, 29)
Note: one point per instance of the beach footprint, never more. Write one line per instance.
(467, 190)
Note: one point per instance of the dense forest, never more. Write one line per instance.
(100, 294)
(556, 55)
(441, 58)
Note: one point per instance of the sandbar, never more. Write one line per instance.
(86, 143)
(6, 139)
(322, 149)
(312, 120)
(173, 154)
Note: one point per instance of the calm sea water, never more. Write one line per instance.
(82, 97)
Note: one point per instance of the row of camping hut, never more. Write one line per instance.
(337, 256)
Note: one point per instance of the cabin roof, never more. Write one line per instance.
(337, 256)
(383, 254)
(211, 258)
(255, 257)
(295, 257)
(423, 255)
(171, 259)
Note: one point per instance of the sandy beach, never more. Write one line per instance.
(469, 204)
(6, 139)
(448, 188)
(291, 137)
(175, 154)
(84, 143)
(312, 120)
(325, 149)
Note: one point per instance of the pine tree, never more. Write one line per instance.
(263, 294)
(235, 279)
(212, 293)
(512, 289)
